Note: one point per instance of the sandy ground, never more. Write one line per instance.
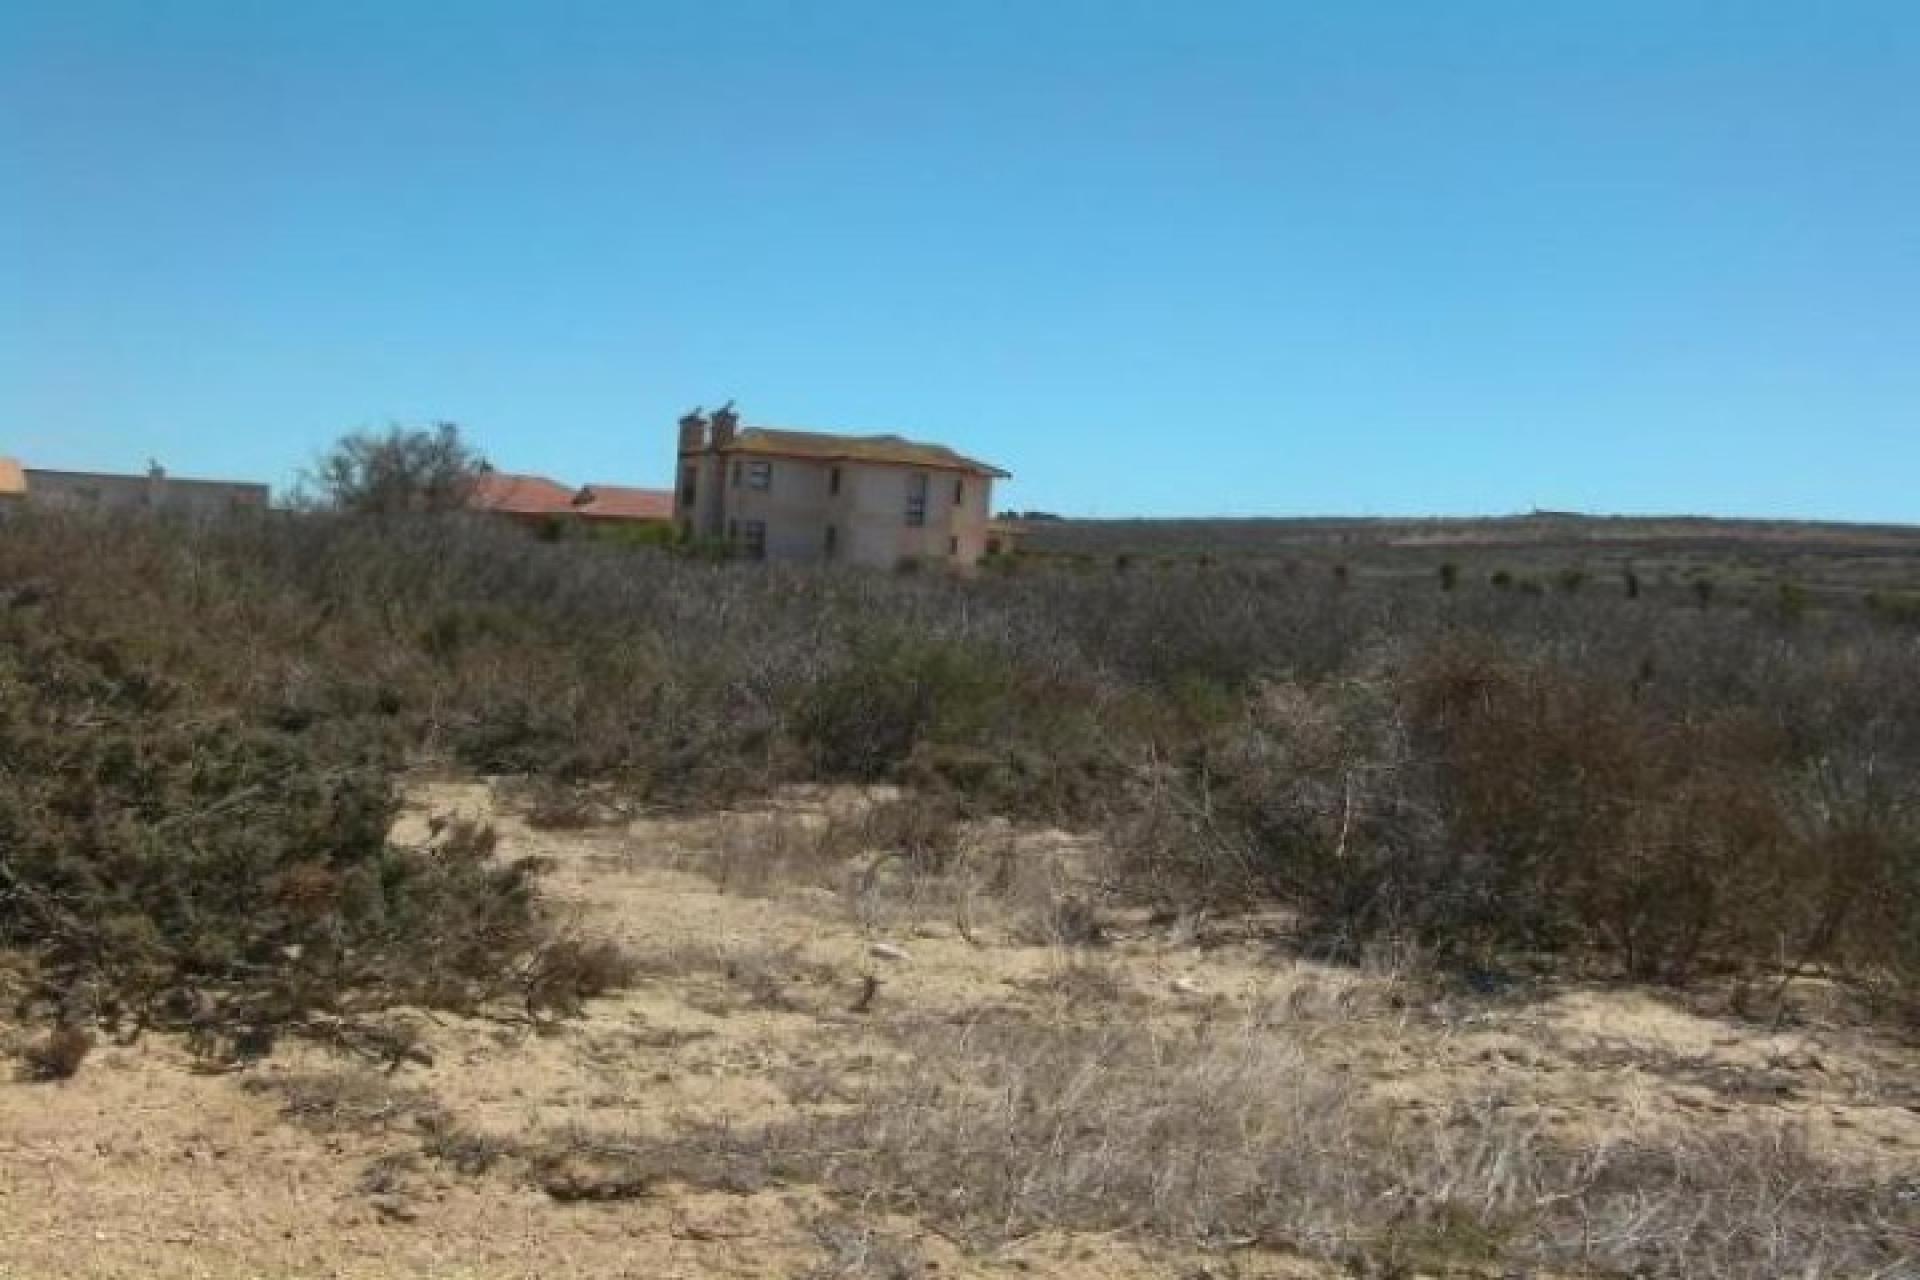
(143, 1167)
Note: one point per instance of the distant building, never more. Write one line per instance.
(13, 483)
(1003, 537)
(530, 500)
(805, 495)
(612, 503)
(113, 491)
(540, 502)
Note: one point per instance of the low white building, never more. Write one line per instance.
(151, 490)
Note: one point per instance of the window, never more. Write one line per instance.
(959, 490)
(736, 475)
(756, 539)
(733, 531)
(833, 481)
(759, 475)
(953, 546)
(833, 541)
(688, 481)
(917, 499)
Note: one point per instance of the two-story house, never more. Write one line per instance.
(805, 495)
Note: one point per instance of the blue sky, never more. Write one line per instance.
(1155, 258)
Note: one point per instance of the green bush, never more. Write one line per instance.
(166, 863)
(863, 717)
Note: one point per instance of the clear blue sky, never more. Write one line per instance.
(1156, 258)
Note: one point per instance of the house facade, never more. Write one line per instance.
(884, 501)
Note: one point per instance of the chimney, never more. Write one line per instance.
(725, 423)
(693, 432)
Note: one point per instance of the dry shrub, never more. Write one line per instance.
(56, 1055)
(563, 974)
(1556, 776)
(579, 1164)
(855, 1249)
(1083, 981)
(759, 854)
(548, 804)
(907, 857)
(922, 830)
(754, 972)
(884, 857)
(1758, 1203)
(766, 973)
(467, 1151)
(1495, 808)
(1067, 920)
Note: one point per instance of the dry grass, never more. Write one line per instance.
(348, 1101)
(1231, 1135)
(897, 860)
(1760, 1204)
(857, 1250)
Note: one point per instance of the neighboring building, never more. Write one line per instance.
(1003, 537)
(612, 503)
(543, 503)
(529, 500)
(153, 491)
(805, 495)
(13, 484)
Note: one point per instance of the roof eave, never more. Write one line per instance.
(757, 449)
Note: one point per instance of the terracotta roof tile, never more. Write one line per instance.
(824, 447)
(620, 502)
(512, 494)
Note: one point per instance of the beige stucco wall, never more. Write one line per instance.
(105, 491)
(955, 532)
(869, 512)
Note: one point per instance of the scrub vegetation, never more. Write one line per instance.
(1584, 781)
(1450, 788)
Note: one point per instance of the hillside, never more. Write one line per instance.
(1846, 561)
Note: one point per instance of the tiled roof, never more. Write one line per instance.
(13, 478)
(521, 495)
(823, 447)
(618, 502)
